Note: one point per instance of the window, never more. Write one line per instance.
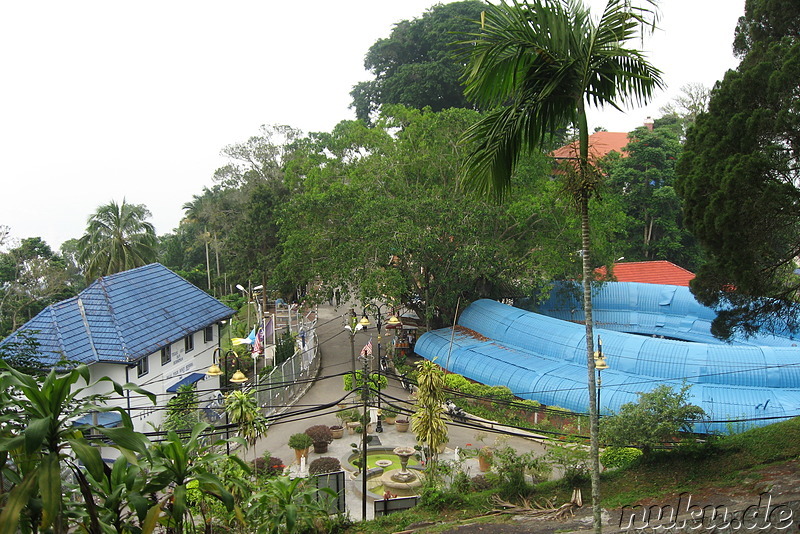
(188, 343)
(208, 334)
(166, 355)
(143, 366)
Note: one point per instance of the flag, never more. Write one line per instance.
(269, 331)
(258, 344)
(249, 340)
(367, 350)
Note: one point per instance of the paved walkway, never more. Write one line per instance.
(334, 343)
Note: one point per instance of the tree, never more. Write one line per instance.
(656, 419)
(687, 106)
(537, 65)
(429, 419)
(738, 178)
(31, 278)
(118, 237)
(357, 221)
(242, 408)
(644, 184)
(415, 66)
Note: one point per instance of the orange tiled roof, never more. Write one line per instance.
(600, 144)
(648, 272)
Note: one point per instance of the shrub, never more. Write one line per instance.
(481, 483)
(320, 434)
(326, 464)
(622, 457)
(300, 441)
(269, 466)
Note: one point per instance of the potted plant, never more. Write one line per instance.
(389, 414)
(321, 437)
(401, 425)
(344, 417)
(485, 459)
(337, 431)
(300, 442)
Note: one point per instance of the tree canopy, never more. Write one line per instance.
(377, 211)
(118, 237)
(415, 65)
(738, 177)
(643, 184)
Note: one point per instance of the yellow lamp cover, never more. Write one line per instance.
(214, 370)
(238, 377)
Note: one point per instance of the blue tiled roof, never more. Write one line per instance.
(122, 317)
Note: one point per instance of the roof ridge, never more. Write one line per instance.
(114, 321)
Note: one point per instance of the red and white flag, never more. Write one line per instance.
(367, 350)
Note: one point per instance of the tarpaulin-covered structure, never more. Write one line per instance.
(652, 334)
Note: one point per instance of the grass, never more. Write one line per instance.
(719, 463)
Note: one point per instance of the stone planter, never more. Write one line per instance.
(401, 425)
(337, 433)
(389, 419)
(351, 427)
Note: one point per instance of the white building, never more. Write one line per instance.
(147, 326)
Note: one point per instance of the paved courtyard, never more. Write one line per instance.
(334, 343)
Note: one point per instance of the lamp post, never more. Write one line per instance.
(601, 365)
(353, 326)
(237, 378)
(378, 315)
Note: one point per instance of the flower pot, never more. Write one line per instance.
(337, 433)
(321, 447)
(390, 419)
(401, 426)
(351, 427)
(300, 453)
(484, 464)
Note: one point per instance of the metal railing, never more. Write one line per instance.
(291, 378)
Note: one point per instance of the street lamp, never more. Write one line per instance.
(393, 320)
(237, 378)
(601, 365)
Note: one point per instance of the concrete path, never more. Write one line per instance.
(334, 343)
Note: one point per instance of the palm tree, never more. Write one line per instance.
(118, 237)
(242, 408)
(538, 64)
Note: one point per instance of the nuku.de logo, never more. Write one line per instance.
(686, 515)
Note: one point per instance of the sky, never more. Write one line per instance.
(104, 101)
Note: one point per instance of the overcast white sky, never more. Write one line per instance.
(103, 100)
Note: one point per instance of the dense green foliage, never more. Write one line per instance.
(415, 66)
(654, 420)
(182, 413)
(429, 420)
(643, 184)
(32, 276)
(377, 211)
(738, 177)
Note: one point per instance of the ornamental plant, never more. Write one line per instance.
(326, 464)
(320, 434)
(300, 441)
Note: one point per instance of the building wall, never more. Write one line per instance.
(145, 415)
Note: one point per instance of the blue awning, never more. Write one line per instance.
(104, 419)
(189, 379)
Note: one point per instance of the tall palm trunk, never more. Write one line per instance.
(583, 205)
